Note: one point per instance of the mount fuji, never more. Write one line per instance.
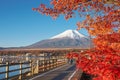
(66, 39)
(73, 34)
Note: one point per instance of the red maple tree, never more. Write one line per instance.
(102, 20)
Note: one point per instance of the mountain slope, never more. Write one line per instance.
(67, 39)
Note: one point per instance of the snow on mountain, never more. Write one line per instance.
(73, 34)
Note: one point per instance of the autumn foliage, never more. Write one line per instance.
(102, 21)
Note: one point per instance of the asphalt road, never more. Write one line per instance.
(61, 73)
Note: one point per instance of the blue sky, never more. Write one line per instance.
(20, 26)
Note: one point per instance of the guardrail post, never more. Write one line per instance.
(49, 64)
(20, 77)
(56, 62)
(52, 63)
(31, 68)
(37, 67)
(47, 67)
(7, 71)
(43, 65)
(64, 58)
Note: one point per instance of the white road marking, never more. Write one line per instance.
(72, 75)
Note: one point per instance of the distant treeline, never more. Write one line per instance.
(16, 52)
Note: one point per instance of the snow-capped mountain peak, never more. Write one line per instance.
(67, 39)
(73, 34)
